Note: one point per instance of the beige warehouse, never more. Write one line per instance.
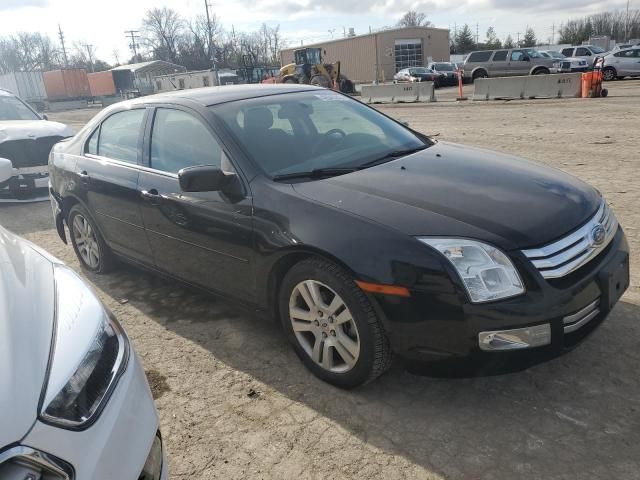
(386, 51)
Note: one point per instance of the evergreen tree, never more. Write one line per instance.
(492, 41)
(508, 42)
(464, 40)
(529, 39)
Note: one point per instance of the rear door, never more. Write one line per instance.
(627, 62)
(204, 238)
(108, 176)
(499, 64)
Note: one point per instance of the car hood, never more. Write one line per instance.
(26, 326)
(454, 190)
(29, 129)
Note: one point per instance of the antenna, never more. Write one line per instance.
(64, 50)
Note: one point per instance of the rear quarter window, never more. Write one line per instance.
(567, 52)
(500, 56)
(479, 57)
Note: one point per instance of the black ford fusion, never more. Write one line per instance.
(364, 237)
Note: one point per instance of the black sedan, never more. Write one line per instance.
(364, 237)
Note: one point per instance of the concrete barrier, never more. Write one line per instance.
(531, 86)
(399, 93)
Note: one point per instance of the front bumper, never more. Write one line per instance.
(120, 442)
(28, 184)
(440, 325)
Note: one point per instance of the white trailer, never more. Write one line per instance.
(27, 85)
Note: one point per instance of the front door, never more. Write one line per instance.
(204, 238)
(518, 63)
(108, 175)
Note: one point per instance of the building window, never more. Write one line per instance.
(205, 81)
(408, 53)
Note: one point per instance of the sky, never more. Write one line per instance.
(103, 23)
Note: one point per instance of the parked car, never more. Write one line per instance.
(418, 74)
(624, 46)
(586, 52)
(570, 65)
(26, 139)
(448, 72)
(75, 399)
(364, 237)
(505, 63)
(620, 64)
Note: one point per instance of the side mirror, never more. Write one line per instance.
(209, 178)
(6, 169)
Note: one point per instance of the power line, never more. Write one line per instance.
(133, 34)
(64, 50)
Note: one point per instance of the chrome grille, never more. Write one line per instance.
(563, 256)
(579, 319)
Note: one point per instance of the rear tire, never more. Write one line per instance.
(609, 74)
(541, 71)
(337, 335)
(479, 74)
(92, 251)
(289, 80)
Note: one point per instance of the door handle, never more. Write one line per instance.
(84, 177)
(152, 195)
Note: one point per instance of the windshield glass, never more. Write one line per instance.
(12, 108)
(305, 131)
(444, 67)
(534, 54)
(554, 54)
(597, 50)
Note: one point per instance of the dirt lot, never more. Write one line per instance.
(235, 402)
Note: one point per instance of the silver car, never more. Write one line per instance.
(586, 52)
(620, 64)
(506, 63)
(74, 400)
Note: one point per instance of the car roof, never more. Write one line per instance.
(207, 96)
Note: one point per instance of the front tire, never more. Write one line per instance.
(332, 325)
(92, 251)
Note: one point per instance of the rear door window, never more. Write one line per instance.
(480, 56)
(583, 52)
(500, 56)
(179, 140)
(119, 136)
(567, 52)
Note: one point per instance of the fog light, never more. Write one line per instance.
(515, 339)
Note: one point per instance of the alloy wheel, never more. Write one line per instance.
(86, 241)
(608, 75)
(324, 326)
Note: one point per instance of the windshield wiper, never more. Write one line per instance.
(391, 156)
(316, 173)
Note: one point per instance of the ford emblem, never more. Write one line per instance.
(598, 234)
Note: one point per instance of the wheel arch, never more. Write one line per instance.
(539, 68)
(475, 71)
(285, 261)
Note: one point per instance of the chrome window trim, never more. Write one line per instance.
(569, 253)
(41, 459)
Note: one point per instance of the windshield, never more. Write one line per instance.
(597, 50)
(11, 108)
(306, 131)
(534, 54)
(555, 54)
(444, 67)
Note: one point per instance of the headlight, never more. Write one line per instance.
(90, 352)
(486, 272)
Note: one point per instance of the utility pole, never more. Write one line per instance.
(331, 30)
(477, 34)
(553, 34)
(626, 24)
(133, 34)
(89, 47)
(344, 32)
(64, 50)
(518, 42)
(210, 35)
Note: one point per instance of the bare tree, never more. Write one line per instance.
(414, 19)
(28, 51)
(162, 30)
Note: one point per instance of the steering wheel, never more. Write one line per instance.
(331, 137)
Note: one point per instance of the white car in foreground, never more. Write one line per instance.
(74, 399)
(26, 139)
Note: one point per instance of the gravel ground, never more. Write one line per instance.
(235, 402)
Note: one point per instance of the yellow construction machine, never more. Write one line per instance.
(309, 69)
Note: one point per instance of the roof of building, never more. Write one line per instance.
(344, 39)
(229, 93)
(151, 66)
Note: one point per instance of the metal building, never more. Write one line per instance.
(383, 53)
(138, 78)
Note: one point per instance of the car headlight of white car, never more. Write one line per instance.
(89, 353)
(486, 272)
